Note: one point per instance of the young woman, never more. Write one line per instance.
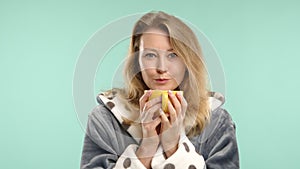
(129, 130)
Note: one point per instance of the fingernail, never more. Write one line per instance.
(161, 112)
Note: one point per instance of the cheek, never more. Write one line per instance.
(144, 75)
(147, 74)
(179, 76)
(178, 71)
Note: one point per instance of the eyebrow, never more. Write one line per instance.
(155, 50)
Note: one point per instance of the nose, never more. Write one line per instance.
(161, 65)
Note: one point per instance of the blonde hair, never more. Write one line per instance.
(185, 44)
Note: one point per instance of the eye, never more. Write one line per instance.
(172, 55)
(150, 55)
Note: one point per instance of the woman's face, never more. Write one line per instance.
(161, 68)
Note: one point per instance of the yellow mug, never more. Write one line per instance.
(164, 96)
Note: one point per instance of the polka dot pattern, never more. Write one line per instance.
(169, 166)
(186, 147)
(127, 163)
(192, 167)
(111, 96)
(111, 105)
(125, 125)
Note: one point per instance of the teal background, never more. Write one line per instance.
(257, 41)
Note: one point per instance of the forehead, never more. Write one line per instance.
(155, 39)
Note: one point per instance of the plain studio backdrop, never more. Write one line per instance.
(40, 41)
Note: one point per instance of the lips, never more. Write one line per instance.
(161, 80)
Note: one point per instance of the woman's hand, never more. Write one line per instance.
(150, 119)
(172, 126)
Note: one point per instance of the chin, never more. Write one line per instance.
(163, 88)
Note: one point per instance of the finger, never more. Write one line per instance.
(148, 115)
(150, 128)
(183, 102)
(156, 121)
(179, 96)
(172, 113)
(144, 98)
(175, 102)
(164, 120)
(154, 111)
(151, 103)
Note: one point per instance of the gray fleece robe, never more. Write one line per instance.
(110, 143)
